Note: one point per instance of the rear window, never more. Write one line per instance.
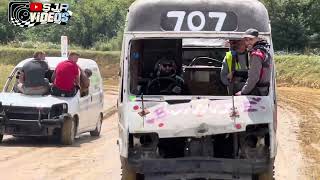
(196, 68)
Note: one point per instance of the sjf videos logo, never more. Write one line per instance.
(28, 14)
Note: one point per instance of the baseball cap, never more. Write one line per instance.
(251, 33)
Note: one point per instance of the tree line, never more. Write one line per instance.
(92, 23)
(295, 24)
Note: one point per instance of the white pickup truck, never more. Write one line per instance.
(66, 117)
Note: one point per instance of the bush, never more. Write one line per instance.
(5, 71)
(37, 45)
(15, 55)
(113, 44)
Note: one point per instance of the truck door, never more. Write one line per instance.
(84, 116)
(96, 97)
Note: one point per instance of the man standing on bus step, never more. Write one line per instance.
(66, 77)
(235, 66)
(259, 73)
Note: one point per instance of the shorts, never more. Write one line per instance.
(37, 90)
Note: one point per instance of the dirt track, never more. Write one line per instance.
(97, 158)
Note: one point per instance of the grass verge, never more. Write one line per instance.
(15, 55)
(298, 70)
(5, 70)
(292, 70)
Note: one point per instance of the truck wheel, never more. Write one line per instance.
(128, 173)
(268, 175)
(97, 131)
(1, 137)
(68, 132)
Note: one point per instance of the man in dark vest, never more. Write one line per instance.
(259, 73)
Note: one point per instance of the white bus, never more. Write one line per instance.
(185, 125)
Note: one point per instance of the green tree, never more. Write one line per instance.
(312, 15)
(295, 23)
(7, 32)
(92, 21)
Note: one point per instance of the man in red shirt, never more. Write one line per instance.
(66, 78)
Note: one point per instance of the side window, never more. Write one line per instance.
(95, 81)
(12, 82)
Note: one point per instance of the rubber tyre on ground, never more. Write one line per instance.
(97, 131)
(1, 138)
(68, 132)
(268, 175)
(127, 172)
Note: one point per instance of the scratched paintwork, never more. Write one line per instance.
(182, 119)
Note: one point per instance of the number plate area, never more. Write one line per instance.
(199, 21)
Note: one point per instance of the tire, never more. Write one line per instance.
(268, 175)
(128, 173)
(97, 131)
(1, 138)
(68, 132)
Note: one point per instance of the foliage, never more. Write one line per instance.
(295, 24)
(91, 22)
(4, 73)
(15, 55)
(99, 25)
(109, 45)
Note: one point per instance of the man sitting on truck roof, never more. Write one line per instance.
(66, 77)
(32, 79)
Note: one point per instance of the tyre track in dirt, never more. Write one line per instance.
(289, 162)
(304, 108)
(88, 158)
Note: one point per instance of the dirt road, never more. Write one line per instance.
(98, 158)
(298, 134)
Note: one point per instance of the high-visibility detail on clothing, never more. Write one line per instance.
(229, 62)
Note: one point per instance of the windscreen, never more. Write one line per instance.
(177, 66)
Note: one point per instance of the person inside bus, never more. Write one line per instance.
(31, 79)
(235, 66)
(166, 68)
(259, 73)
